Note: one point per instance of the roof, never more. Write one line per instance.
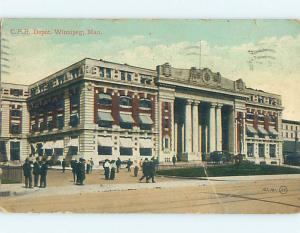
(290, 122)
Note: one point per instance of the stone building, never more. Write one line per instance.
(99, 109)
(290, 135)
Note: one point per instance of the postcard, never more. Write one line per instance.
(149, 116)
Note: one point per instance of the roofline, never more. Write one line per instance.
(290, 121)
(25, 85)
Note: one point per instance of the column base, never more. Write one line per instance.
(191, 156)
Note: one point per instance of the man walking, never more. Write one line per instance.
(118, 163)
(63, 164)
(106, 167)
(145, 168)
(151, 168)
(129, 163)
(27, 173)
(44, 171)
(36, 172)
(73, 166)
(174, 160)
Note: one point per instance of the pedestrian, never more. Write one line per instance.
(63, 164)
(118, 163)
(129, 163)
(106, 167)
(136, 169)
(80, 172)
(73, 166)
(174, 160)
(145, 169)
(27, 169)
(92, 164)
(151, 174)
(36, 172)
(113, 168)
(44, 171)
(88, 167)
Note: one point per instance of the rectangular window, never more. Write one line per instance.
(122, 75)
(14, 151)
(48, 152)
(166, 143)
(58, 151)
(250, 149)
(60, 122)
(125, 151)
(291, 127)
(15, 128)
(16, 92)
(74, 120)
(104, 150)
(292, 135)
(129, 77)
(108, 72)
(145, 151)
(50, 125)
(73, 150)
(261, 150)
(145, 127)
(102, 72)
(166, 123)
(125, 125)
(272, 150)
(106, 124)
(15, 113)
(287, 135)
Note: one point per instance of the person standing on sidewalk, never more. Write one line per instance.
(106, 167)
(92, 165)
(36, 172)
(64, 164)
(113, 168)
(118, 163)
(145, 168)
(27, 169)
(44, 171)
(151, 167)
(174, 160)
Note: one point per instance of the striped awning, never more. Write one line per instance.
(262, 130)
(146, 143)
(126, 118)
(58, 144)
(145, 119)
(126, 142)
(273, 131)
(105, 141)
(104, 96)
(251, 129)
(105, 116)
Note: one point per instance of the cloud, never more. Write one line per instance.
(35, 58)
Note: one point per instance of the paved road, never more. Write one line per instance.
(276, 195)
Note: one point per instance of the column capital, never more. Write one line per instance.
(219, 105)
(196, 102)
(213, 105)
(188, 101)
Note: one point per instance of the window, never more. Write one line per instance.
(273, 118)
(145, 151)
(125, 151)
(125, 101)
(272, 150)
(74, 120)
(122, 75)
(261, 150)
(43, 126)
(48, 152)
(260, 99)
(106, 124)
(60, 103)
(287, 135)
(261, 117)
(16, 92)
(166, 123)
(145, 127)
(291, 127)
(40, 150)
(104, 150)
(108, 72)
(250, 116)
(166, 143)
(292, 135)
(166, 106)
(129, 77)
(14, 151)
(286, 127)
(60, 121)
(102, 72)
(250, 149)
(73, 150)
(126, 125)
(15, 128)
(50, 125)
(34, 128)
(58, 151)
(105, 99)
(145, 103)
(61, 79)
(15, 113)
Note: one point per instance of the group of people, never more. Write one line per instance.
(148, 168)
(79, 169)
(38, 169)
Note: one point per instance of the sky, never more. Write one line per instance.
(36, 49)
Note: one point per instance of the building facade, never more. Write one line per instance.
(99, 109)
(290, 135)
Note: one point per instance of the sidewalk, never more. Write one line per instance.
(19, 190)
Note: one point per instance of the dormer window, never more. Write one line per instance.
(108, 73)
(129, 77)
(123, 76)
(260, 99)
(102, 72)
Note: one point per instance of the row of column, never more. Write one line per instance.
(193, 130)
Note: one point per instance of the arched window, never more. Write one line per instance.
(125, 101)
(145, 103)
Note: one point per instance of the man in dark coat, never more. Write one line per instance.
(80, 172)
(118, 163)
(73, 166)
(151, 174)
(36, 171)
(63, 164)
(129, 163)
(145, 169)
(174, 160)
(27, 169)
(44, 171)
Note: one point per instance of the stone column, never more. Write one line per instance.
(187, 127)
(219, 127)
(212, 127)
(232, 131)
(195, 127)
